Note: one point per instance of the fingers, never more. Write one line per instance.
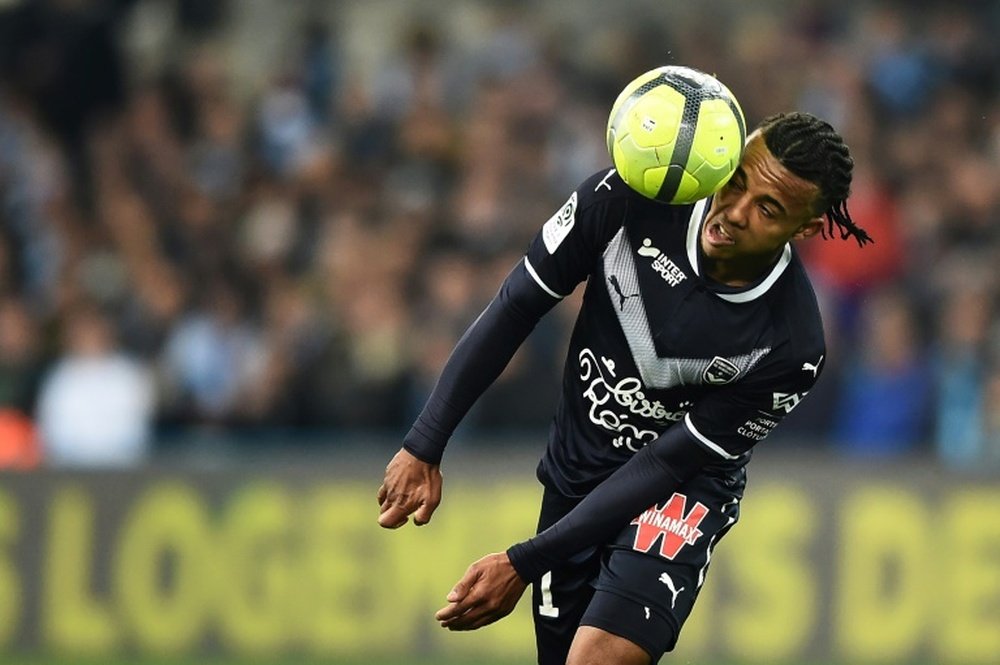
(487, 592)
(461, 608)
(464, 606)
(458, 597)
(472, 613)
(423, 514)
(454, 618)
(410, 487)
(462, 587)
(395, 511)
(451, 612)
(474, 623)
(393, 516)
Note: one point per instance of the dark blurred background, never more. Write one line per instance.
(238, 224)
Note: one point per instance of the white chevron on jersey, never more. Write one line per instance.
(656, 372)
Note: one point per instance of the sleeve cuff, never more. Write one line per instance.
(530, 566)
(423, 447)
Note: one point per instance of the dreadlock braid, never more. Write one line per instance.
(813, 150)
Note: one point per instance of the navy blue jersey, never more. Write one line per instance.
(657, 343)
(669, 374)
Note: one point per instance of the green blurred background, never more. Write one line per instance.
(280, 559)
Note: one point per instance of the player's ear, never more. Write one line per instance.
(809, 229)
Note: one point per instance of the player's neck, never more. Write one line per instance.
(738, 272)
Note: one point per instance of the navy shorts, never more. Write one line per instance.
(642, 585)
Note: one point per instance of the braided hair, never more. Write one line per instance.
(813, 150)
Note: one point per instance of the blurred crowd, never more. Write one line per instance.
(186, 251)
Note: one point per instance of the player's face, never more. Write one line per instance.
(762, 207)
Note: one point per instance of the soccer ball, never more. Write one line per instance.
(676, 134)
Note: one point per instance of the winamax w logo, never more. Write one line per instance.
(676, 529)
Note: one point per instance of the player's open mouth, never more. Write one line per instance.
(717, 235)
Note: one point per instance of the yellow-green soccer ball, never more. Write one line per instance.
(676, 134)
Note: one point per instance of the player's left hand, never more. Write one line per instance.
(487, 592)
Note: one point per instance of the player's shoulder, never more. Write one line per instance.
(798, 313)
(605, 191)
(603, 203)
(605, 185)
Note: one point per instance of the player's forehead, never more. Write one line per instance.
(765, 172)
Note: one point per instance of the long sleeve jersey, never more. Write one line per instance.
(668, 372)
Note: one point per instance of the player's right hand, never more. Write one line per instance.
(410, 487)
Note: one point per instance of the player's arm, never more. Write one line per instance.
(490, 588)
(412, 482)
(723, 426)
(560, 257)
(715, 429)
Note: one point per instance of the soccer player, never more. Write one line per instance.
(699, 331)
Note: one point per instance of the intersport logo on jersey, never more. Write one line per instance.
(669, 525)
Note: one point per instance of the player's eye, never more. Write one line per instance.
(766, 211)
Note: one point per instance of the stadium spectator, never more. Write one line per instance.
(20, 374)
(885, 392)
(96, 405)
(316, 163)
(20, 357)
(212, 360)
(962, 371)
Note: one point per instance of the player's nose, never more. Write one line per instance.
(738, 212)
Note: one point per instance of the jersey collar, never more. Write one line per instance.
(748, 293)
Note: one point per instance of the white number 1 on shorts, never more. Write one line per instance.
(547, 609)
